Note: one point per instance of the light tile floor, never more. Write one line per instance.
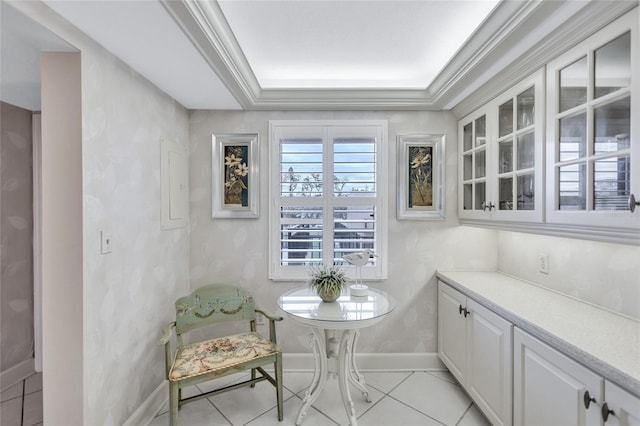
(406, 398)
(21, 404)
(397, 398)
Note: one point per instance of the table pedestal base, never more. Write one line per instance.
(324, 348)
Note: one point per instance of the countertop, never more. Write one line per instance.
(604, 341)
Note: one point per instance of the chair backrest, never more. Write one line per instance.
(213, 304)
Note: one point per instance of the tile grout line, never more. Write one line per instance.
(454, 382)
(385, 394)
(465, 413)
(214, 406)
(416, 410)
(24, 386)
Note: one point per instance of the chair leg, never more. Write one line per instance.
(174, 391)
(278, 373)
(253, 376)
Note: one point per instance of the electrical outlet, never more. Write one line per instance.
(543, 263)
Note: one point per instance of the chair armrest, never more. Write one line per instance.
(167, 333)
(272, 324)
(269, 317)
(166, 341)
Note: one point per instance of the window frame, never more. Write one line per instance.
(325, 129)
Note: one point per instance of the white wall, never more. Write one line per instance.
(116, 304)
(225, 250)
(604, 274)
(129, 293)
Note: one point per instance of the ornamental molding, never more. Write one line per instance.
(516, 40)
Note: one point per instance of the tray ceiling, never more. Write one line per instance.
(307, 54)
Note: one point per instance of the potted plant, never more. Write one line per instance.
(327, 281)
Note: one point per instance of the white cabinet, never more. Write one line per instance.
(475, 344)
(501, 156)
(620, 407)
(452, 330)
(593, 130)
(550, 388)
(559, 153)
(515, 376)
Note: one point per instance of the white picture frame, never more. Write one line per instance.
(235, 176)
(420, 177)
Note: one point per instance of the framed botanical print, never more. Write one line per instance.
(420, 190)
(235, 168)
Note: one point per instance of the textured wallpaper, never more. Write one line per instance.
(16, 234)
(129, 293)
(235, 250)
(604, 274)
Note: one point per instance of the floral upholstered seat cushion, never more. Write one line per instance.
(219, 354)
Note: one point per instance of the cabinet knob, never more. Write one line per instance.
(606, 412)
(464, 311)
(588, 399)
(633, 203)
(486, 205)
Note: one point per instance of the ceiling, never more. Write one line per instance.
(21, 41)
(303, 54)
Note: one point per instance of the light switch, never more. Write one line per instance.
(105, 242)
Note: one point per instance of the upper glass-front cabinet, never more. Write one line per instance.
(593, 126)
(502, 155)
(474, 163)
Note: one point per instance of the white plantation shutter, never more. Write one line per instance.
(325, 195)
(301, 194)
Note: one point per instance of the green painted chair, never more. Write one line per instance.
(199, 362)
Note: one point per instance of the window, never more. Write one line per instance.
(327, 195)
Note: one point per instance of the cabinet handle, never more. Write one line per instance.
(588, 399)
(462, 310)
(633, 203)
(606, 412)
(486, 206)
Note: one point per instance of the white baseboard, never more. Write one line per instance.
(304, 362)
(372, 362)
(17, 373)
(150, 406)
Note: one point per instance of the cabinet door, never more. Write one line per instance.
(625, 407)
(452, 330)
(501, 156)
(517, 158)
(489, 361)
(474, 197)
(549, 388)
(593, 129)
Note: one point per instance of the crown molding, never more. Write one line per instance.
(205, 25)
(489, 39)
(342, 99)
(514, 41)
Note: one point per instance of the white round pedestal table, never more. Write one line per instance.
(347, 316)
